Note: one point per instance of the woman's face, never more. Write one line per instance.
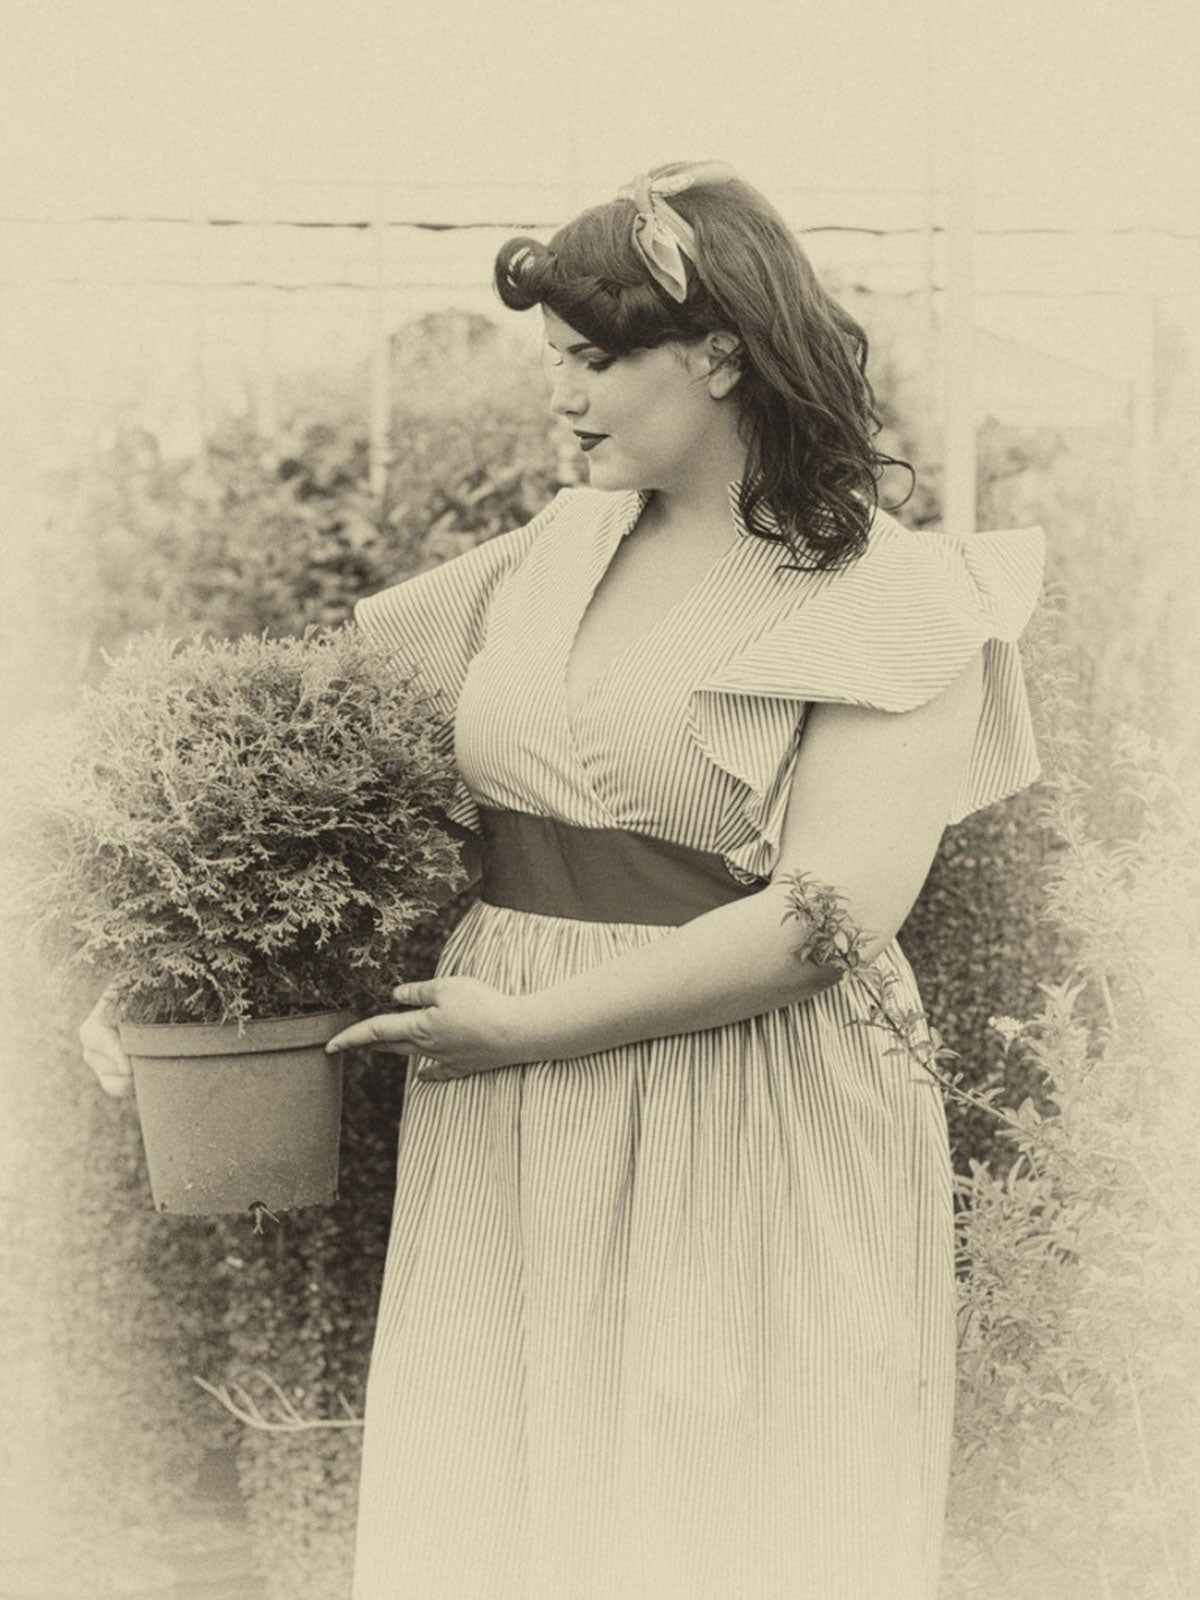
(653, 408)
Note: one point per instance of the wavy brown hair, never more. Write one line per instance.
(807, 411)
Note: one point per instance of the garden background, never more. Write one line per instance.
(239, 442)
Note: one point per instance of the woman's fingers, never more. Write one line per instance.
(120, 1086)
(397, 1029)
(102, 1051)
(112, 1067)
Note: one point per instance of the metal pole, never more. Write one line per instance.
(932, 339)
(380, 399)
(1145, 309)
(268, 400)
(199, 382)
(958, 387)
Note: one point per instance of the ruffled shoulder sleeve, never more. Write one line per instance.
(436, 623)
(890, 631)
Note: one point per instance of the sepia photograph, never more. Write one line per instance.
(599, 800)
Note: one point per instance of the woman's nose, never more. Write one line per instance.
(565, 397)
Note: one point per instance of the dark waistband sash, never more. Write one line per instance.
(559, 869)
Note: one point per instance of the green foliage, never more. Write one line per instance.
(1077, 1466)
(107, 1309)
(977, 941)
(829, 938)
(237, 830)
(260, 536)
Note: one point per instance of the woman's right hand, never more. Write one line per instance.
(102, 1049)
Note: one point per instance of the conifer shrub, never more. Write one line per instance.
(224, 831)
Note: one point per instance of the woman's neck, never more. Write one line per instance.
(699, 497)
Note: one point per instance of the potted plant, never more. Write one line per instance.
(236, 838)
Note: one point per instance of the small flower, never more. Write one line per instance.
(1009, 1028)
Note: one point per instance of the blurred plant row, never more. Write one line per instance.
(1065, 909)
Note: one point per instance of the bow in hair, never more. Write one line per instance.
(660, 235)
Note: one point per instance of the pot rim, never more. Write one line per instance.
(257, 1036)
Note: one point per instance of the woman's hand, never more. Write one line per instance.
(466, 1025)
(102, 1049)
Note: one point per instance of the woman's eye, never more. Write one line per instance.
(593, 364)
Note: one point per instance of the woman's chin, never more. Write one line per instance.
(603, 474)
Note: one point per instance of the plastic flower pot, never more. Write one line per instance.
(236, 1122)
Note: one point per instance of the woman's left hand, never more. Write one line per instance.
(465, 1024)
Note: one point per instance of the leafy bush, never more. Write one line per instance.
(1077, 1465)
(272, 536)
(107, 1308)
(241, 830)
(978, 938)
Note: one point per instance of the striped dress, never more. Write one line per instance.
(675, 1320)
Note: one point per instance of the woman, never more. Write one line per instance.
(668, 1309)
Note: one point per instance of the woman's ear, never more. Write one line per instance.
(724, 352)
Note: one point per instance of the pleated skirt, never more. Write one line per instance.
(672, 1321)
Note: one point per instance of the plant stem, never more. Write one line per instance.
(249, 1413)
(1148, 1472)
(1110, 1009)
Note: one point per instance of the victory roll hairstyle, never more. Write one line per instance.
(807, 409)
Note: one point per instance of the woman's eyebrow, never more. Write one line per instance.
(574, 349)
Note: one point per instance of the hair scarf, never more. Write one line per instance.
(660, 235)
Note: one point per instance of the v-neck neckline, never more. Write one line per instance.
(623, 525)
